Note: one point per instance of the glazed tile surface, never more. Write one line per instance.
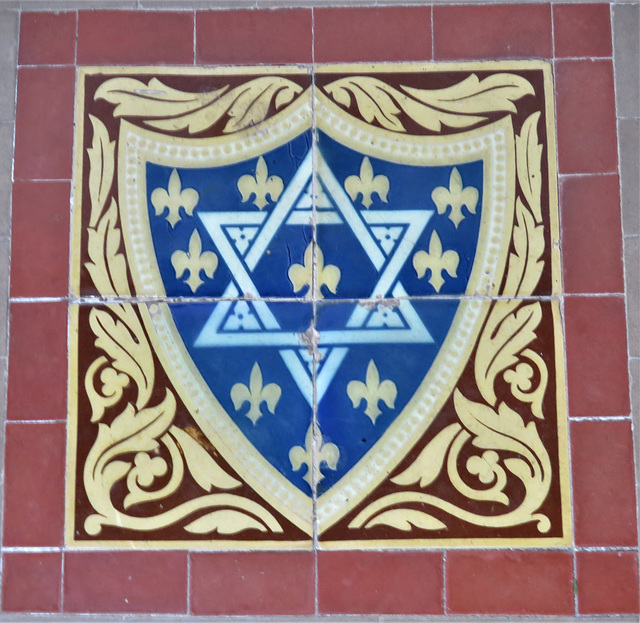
(316, 307)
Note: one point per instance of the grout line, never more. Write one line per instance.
(62, 561)
(594, 174)
(599, 418)
(445, 606)
(433, 32)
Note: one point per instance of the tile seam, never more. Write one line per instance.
(4, 382)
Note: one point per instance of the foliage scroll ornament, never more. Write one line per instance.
(509, 447)
(141, 447)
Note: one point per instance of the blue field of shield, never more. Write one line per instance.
(391, 257)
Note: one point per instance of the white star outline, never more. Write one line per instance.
(292, 347)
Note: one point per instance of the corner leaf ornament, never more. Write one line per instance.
(165, 108)
(458, 106)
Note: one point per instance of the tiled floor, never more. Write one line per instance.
(502, 500)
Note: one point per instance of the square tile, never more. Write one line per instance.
(47, 38)
(312, 308)
(582, 30)
(608, 583)
(31, 582)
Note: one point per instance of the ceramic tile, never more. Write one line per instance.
(47, 39)
(581, 30)
(31, 582)
(608, 583)
(310, 308)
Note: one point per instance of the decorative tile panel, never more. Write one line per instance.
(316, 307)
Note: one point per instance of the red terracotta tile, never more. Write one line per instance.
(507, 31)
(31, 582)
(40, 239)
(596, 338)
(372, 34)
(253, 36)
(608, 583)
(380, 582)
(590, 207)
(34, 484)
(509, 582)
(106, 37)
(47, 39)
(582, 30)
(44, 123)
(256, 583)
(37, 362)
(586, 118)
(603, 483)
(152, 582)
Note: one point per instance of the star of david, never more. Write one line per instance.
(387, 237)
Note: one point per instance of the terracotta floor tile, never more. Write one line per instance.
(31, 582)
(34, 484)
(586, 118)
(509, 583)
(252, 583)
(372, 34)
(38, 362)
(508, 31)
(603, 483)
(380, 583)
(112, 37)
(596, 356)
(103, 582)
(47, 39)
(608, 583)
(40, 237)
(582, 30)
(44, 123)
(253, 36)
(590, 208)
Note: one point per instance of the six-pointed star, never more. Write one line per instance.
(387, 237)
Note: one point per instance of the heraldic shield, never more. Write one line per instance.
(327, 309)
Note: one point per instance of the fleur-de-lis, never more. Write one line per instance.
(326, 452)
(367, 184)
(255, 394)
(260, 185)
(372, 391)
(436, 261)
(301, 275)
(194, 261)
(455, 196)
(175, 199)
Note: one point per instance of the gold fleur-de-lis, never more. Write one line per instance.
(367, 184)
(455, 196)
(301, 275)
(372, 391)
(260, 185)
(436, 261)
(175, 199)
(194, 261)
(326, 452)
(255, 394)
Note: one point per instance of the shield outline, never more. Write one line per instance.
(138, 146)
